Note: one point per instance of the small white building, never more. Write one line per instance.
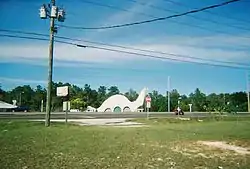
(5, 106)
(91, 109)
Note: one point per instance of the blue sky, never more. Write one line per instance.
(25, 61)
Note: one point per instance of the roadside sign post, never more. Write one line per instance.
(41, 105)
(66, 108)
(148, 105)
(190, 108)
(64, 93)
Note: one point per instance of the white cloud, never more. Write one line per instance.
(216, 41)
(203, 53)
(62, 52)
(23, 81)
(134, 12)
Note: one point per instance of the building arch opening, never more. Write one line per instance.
(117, 109)
(126, 109)
(107, 110)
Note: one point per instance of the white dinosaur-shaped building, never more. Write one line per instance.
(120, 103)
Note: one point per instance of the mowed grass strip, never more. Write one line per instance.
(162, 144)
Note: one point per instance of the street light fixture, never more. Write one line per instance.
(179, 101)
(52, 12)
(178, 109)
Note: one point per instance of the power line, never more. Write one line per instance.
(210, 12)
(160, 57)
(128, 52)
(195, 17)
(35, 38)
(24, 37)
(174, 21)
(130, 48)
(23, 32)
(154, 51)
(162, 9)
(154, 20)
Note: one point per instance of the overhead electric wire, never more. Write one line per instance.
(125, 47)
(127, 52)
(191, 16)
(174, 21)
(35, 38)
(210, 12)
(160, 57)
(155, 19)
(154, 51)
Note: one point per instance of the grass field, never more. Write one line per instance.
(163, 143)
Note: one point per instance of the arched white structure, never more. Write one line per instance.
(121, 101)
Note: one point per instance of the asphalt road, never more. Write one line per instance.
(82, 115)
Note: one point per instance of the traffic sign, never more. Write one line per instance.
(62, 91)
(148, 99)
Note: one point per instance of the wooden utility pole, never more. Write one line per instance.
(53, 13)
(248, 96)
(168, 93)
(50, 69)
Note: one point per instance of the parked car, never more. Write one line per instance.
(74, 110)
(20, 109)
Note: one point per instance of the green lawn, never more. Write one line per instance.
(163, 144)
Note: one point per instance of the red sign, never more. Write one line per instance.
(148, 99)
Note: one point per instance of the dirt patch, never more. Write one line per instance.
(241, 143)
(126, 126)
(225, 146)
(119, 122)
(208, 151)
(185, 119)
(191, 151)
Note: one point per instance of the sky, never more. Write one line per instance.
(222, 34)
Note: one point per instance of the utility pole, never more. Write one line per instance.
(248, 88)
(20, 99)
(41, 105)
(51, 11)
(50, 69)
(168, 93)
(224, 102)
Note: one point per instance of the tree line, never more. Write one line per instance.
(80, 98)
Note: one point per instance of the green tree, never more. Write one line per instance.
(39, 95)
(198, 100)
(174, 97)
(131, 95)
(2, 93)
(212, 102)
(158, 102)
(239, 100)
(75, 91)
(184, 103)
(77, 103)
(102, 95)
(82, 97)
(87, 94)
(93, 99)
(113, 90)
